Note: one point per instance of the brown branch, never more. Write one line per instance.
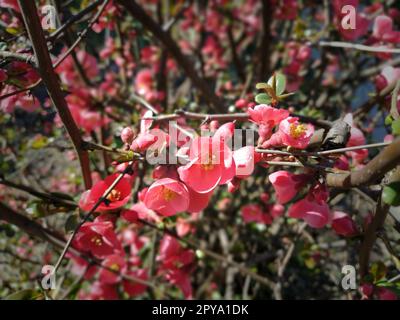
(370, 236)
(235, 57)
(50, 79)
(41, 195)
(137, 12)
(36, 230)
(230, 117)
(27, 225)
(374, 171)
(264, 54)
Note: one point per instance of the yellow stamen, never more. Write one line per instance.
(114, 195)
(297, 130)
(168, 194)
(114, 267)
(97, 241)
(209, 164)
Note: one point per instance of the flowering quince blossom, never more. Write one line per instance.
(383, 30)
(295, 134)
(176, 264)
(315, 214)
(167, 197)
(100, 291)
(267, 118)
(343, 224)
(117, 198)
(286, 185)
(146, 108)
(252, 213)
(12, 4)
(361, 20)
(115, 263)
(357, 138)
(245, 158)
(388, 76)
(98, 238)
(313, 209)
(211, 164)
(134, 288)
(82, 267)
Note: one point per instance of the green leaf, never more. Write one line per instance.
(391, 194)
(280, 79)
(378, 271)
(396, 127)
(388, 120)
(263, 98)
(262, 85)
(39, 142)
(26, 294)
(13, 31)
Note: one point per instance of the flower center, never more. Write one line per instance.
(297, 130)
(114, 195)
(114, 267)
(97, 241)
(168, 194)
(209, 163)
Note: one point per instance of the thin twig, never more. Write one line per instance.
(87, 216)
(348, 45)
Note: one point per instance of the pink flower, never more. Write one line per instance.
(252, 213)
(144, 81)
(133, 288)
(295, 134)
(12, 4)
(362, 22)
(245, 158)
(357, 138)
(198, 201)
(98, 238)
(101, 291)
(383, 30)
(387, 77)
(176, 264)
(386, 294)
(211, 163)
(24, 101)
(167, 197)
(127, 135)
(285, 10)
(267, 118)
(183, 227)
(113, 262)
(286, 185)
(82, 267)
(315, 214)
(172, 254)
(180, 278)
(277, 210)
(343, 224)
(117, 198)
(143, 142)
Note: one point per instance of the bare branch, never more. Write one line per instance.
(50, 79)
